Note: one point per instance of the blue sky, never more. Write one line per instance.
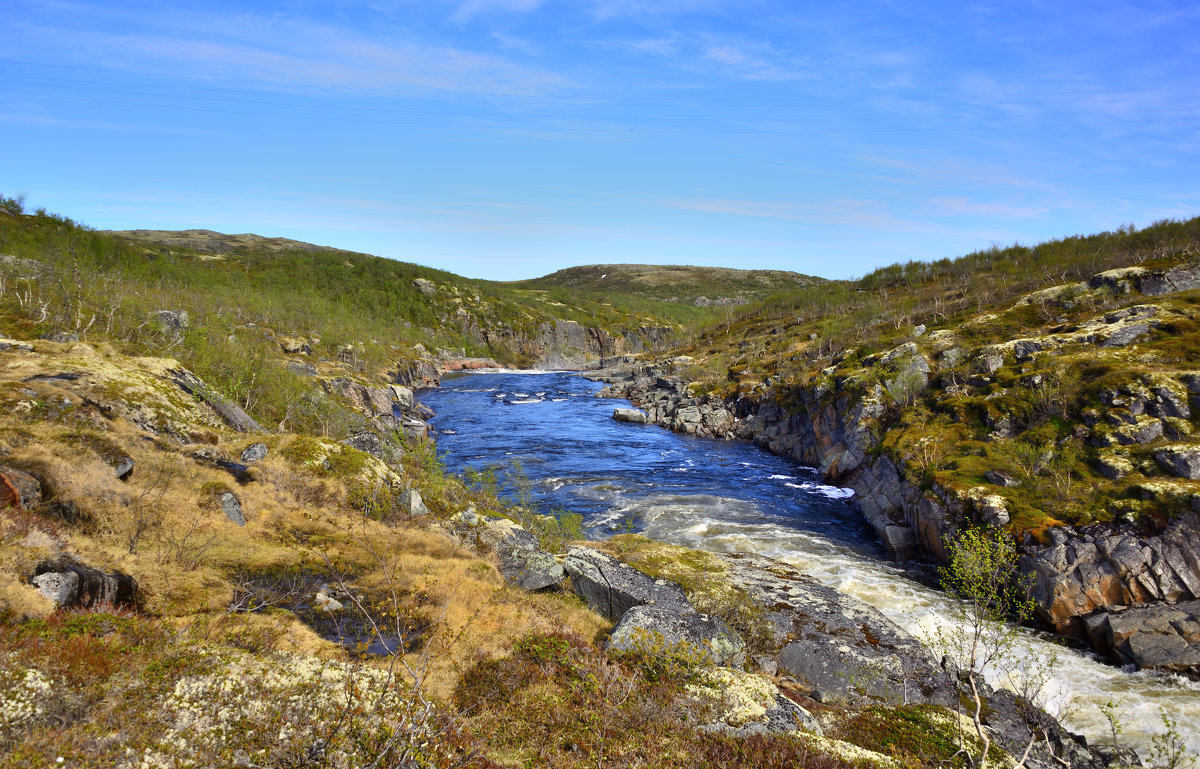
(509, 138)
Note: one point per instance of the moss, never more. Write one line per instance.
(924, 735)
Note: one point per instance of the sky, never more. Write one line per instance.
(506, 139)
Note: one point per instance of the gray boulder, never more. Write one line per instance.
(530, 569)
(370, 443)
(412, 504)
(1001, 478)
(612, 588)
(1180, 461)
(232, 507)
(302, 369)
(175, 320)
(73, 585)
(710, 635)
(229, 411)
(636, 416)
(124, 468)
(255, 452)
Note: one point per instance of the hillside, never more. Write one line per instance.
(696, 286)
(1050, 392)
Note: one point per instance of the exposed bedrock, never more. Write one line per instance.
(1082, 581)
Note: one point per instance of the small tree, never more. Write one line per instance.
(981, 573)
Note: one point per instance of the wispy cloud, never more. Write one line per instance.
(965, 206)
(860, 213)
(283, 54)
(472, 8)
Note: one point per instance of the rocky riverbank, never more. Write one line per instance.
(818, 654)
(1130, 590)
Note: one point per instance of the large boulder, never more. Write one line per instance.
(1155, 637)
(255, 452)
(530, 569)
(719, 643)
(232, 507)
(612, 588)
(636, 416)
(229, 411)
(1180, 461)
(18, 489)
(73, 585)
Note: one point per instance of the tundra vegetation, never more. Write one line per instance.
(301, 600)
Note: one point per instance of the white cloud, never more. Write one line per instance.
(851, 212)
(472, 8)
(965, 206)
(284, 54)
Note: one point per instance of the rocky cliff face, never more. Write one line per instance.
(1133, 427)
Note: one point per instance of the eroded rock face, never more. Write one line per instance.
(612, 588)
(1155, 637)
(1085, 578)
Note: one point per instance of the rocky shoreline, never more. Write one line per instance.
(1129, 592)
(816, 647)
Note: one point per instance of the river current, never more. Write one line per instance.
(735, 497)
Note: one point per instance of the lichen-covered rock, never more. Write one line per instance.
(711, 636)
(1113, 466)
(530, 569)
(1180, 461)
(743, 704)
(255, 452)
(612, 588)
(989, 508)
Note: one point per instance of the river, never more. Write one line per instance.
(735, 497)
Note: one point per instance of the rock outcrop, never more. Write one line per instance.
(1086, 581)
(612, 588)
(839, 422)
(653, 624)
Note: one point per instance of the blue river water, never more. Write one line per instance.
(731, 496)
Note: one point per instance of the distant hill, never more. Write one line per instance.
(699, 286)
(210, 242)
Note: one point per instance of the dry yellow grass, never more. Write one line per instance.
(162, 526)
